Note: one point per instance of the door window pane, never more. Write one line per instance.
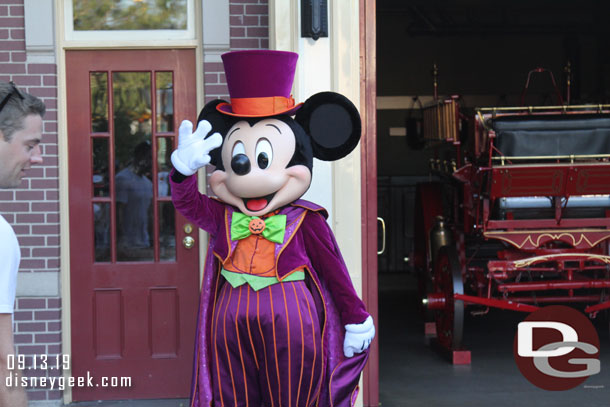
(134, 217)
(101, 227)
(132, 114)
(100, 167)
(165, 102)
(164, 166)
(167, 234)
(106, 15)
(133, 165)
(98, 82)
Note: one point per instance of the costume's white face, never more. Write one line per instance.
(256, 178)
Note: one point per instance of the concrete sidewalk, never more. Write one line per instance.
(133, 403)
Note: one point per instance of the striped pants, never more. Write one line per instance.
(266, 347)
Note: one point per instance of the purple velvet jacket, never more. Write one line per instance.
(308, 244)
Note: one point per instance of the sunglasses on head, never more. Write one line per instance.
(14, 91)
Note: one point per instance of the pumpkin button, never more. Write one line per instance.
(256, 226)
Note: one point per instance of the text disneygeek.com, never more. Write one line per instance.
(36, 364)
(60, 383)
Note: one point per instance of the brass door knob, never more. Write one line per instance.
(188, 242)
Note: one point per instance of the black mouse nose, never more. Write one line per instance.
(240, 164)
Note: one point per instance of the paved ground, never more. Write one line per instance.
(412, 374)
(134, 403)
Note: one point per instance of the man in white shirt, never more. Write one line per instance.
(20, 134)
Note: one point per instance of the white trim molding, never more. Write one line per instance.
(39, 31)
(331, 63)
(112, 36)
(38, 284)
(216, 29)
(406, 102)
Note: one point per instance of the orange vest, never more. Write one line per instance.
(253, 255)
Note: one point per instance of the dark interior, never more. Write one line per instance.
(482, 51)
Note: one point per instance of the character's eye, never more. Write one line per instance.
(264, 153)
(238, 148)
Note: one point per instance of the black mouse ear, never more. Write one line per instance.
(220, 124)
(217, 120)
(332, 122)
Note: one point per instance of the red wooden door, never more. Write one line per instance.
(134, 284)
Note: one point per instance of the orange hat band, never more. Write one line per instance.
(265, 106)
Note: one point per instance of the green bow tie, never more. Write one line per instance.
(274, 227)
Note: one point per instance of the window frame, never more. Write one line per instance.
(132, 35)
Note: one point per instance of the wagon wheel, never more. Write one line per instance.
(448, 281)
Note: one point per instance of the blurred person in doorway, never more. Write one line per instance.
(134, 193)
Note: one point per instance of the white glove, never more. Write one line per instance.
(193, 150)
(358, 337)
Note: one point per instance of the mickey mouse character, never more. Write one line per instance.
(280, 323)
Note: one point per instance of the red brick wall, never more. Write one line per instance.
(33, 208)
(37, 327)
(249, 21)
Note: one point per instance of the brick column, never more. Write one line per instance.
(37, 327)
(249, 25)
(33, 208)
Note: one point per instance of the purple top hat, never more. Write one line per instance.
(259, 83)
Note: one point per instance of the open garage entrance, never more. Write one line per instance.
(482, 52)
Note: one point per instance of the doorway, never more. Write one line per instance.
(482, 52)
(134, 259)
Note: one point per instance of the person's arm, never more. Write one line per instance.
(10, 396)
(193, 153)
(198, 208)
(326, 259)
